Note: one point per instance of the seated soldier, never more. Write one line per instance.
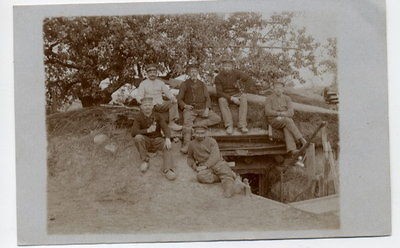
(279, 111)
(146, 131)
(205, 158)
(230, 90)
(154, 88)
(195, 101)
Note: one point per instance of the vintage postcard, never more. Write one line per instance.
(192, 121)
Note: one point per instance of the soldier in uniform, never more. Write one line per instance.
(146, 131)
(205, 158)
(279, 112)
(195, 101)
(154, 87)
(230, 84)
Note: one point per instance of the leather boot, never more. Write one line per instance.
(186, 136)
(228, 187)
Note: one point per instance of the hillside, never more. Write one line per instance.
(94, 190)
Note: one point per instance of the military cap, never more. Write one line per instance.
(192, 66)
(200, 130)
(147, 100)
(151, 67)
(226, 59)
(276, 83)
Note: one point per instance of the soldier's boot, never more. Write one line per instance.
(228, 185)
(186, 136)
(239, 186)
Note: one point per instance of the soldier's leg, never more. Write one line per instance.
(277, 124)
(227, 177)
(243, 111)
(289, 140)
(207, 176)
(142, 144)
(225, 111)
(291, 126)
(163, 110)
(212, 119)
(168, 167)
(173, 111)
(188, 118)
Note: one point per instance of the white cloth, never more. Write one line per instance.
(155, 89)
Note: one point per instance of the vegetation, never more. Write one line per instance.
(79, 52)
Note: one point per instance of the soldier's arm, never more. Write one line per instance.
(136, 128)
(190, 159)
(207, 96)
(215, 155)
(166, 91)
(220, 89)
(181, 95)
(164, 126)
(290, 111)
(140, 93)
(245, 78)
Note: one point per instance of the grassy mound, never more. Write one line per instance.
(92, 190)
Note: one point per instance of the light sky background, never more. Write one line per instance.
(7, 151)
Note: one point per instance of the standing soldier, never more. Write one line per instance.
(195, 101)
(154, 88)
(147, 135)
(230, 89)
(205, 158)
(279, 112)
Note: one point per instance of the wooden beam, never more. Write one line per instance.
(310, 163)
(257, 99)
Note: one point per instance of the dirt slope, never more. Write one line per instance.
(91, 190)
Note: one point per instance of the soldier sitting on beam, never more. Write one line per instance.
(195, 101)
(155, 88)
(279, 112)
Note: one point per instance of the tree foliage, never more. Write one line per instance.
(82, 51)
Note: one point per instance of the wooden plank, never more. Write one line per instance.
(333, 169)
(245, 146)
(253, 153)
(324, 137)
(270, 132)
(310, 163)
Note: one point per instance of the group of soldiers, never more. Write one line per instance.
(157, 117)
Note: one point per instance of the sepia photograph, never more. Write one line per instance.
(191, 122)
(205, 123)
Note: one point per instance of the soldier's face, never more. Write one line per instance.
(279, 89)
(152, 74)
(227, 66)
(193, 73)
(147, 108)
(199, 138)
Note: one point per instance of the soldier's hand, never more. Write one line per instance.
(200, 168)
(206, 112)
(152, 128)
(188, 107)
(168, 144)
(235, 100)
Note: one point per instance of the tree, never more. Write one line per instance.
(329, 54)
(79, 52)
